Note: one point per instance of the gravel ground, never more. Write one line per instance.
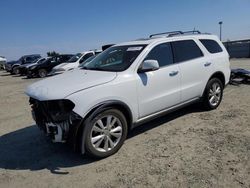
(187, 148)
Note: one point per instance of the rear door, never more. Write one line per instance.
(159, 89)
(195, 68)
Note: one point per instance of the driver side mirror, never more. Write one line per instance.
(149, 65)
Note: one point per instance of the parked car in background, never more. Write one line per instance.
(23, 69)
(3, 60)
(73, 62)
(41, 70)
(87, 61)
(13, 66)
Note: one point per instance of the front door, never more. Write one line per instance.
(159, 89)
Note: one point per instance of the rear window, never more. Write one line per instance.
(211, 46)
(185, 50)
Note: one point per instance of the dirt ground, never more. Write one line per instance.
(187, 148)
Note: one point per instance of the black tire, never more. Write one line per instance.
(42, 73)
(29, 76)
(89, 148)
(208, 103)
(16, 70)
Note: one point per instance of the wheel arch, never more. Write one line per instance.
(119, 105)
(13, 66)
(220, 76)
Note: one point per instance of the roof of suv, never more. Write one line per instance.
(146, 41)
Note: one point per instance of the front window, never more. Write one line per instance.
(40, 61)
(116, 59)
(75, 58)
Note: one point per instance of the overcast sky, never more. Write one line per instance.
(71, 26)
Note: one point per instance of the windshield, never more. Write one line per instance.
(117, 58)
(74, 58)
(40, 61)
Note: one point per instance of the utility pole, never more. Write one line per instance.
(220, 23)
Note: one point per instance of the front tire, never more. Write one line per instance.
(105, 133)
(213, 94)
(16, 70)
(42, 73)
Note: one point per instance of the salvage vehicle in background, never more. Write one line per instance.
(128, 84)
(23, 69)
(3, 60)
(87, 61)
(13, 66)
(45, 67)
(73, 62)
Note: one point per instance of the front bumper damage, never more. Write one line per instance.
(56, 118)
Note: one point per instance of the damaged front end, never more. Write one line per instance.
(55, 117)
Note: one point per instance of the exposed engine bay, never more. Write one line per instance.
(55, 118)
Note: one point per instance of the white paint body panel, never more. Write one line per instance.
(60, 86)
(145, 93)
(157, 90)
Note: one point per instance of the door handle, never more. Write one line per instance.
(207, 64)
(173, 73)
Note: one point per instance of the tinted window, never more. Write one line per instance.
(74, 58)
(211, 46)
(185, 50)
(64, 58)
(86, 56)
(29, 58)
(162, 53)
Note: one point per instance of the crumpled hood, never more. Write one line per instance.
(63, 85)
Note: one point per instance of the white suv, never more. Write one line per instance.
(96, 105)
(73, 62)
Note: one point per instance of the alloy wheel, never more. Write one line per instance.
(214, 94)
(106, 133)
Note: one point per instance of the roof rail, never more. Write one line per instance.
(186, 32)
(174, 33)
(166, 33)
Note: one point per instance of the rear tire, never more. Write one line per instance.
(105, 133)
(42, 73)
(213, 94)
